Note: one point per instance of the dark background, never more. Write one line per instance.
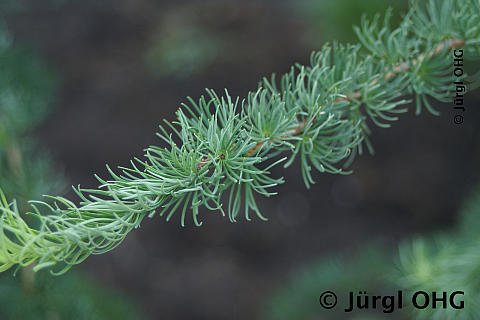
(112, 96)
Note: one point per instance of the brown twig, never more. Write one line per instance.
(454, 43)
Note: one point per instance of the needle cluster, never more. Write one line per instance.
(220, 150)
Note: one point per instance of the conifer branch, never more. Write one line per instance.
(220, 150)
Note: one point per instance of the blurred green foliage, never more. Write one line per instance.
(445, 261)
(26, 89)
(26, 173)
(183, 51)
(72, 296)
(364, 270)
(185, 45)
(26, 92)
(327, 20)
